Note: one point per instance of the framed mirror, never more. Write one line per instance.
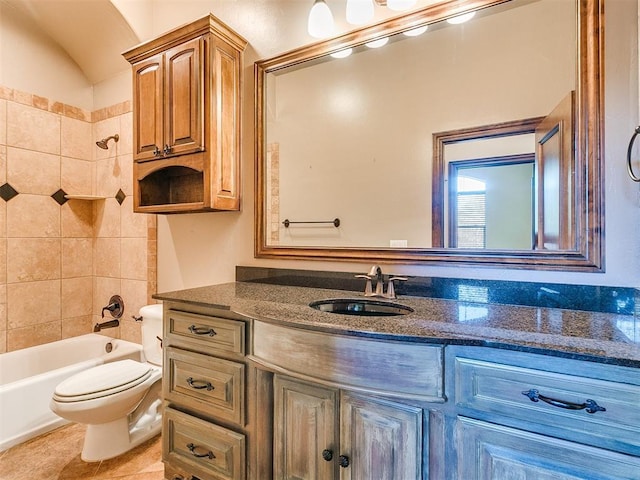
(373, 156)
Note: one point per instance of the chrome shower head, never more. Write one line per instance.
(104, 142)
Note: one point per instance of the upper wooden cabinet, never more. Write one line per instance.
(186, 119)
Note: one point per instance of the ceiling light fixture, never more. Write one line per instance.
(358, 12)
(465, 17)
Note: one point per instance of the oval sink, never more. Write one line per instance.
(360, 306)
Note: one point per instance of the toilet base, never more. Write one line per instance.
(108, 440)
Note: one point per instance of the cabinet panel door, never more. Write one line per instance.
(148, 107)
(383, 440)
(305, 426)
(492, 452)
(184, 98)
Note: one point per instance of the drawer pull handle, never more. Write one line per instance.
(327, 455)
(200, 384)
(192, 449)
(202, 331)
(180, 477)
(589, 405)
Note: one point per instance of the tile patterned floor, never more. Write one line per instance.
(56, 456)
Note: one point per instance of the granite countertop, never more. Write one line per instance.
(602, 337)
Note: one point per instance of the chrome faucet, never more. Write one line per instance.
(376, 272)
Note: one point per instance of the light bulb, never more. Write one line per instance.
(381, 42)
(465, 17)
(342, 53)
(359, 11)
(320, 24)
(400, 4)
(414, 32)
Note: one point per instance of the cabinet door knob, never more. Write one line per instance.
(156, 151)
(343, 461)
(167, 149)
(327, 455)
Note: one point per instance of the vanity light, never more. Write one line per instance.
(381, 42)
(359, 11)
(342, 53)
(465, 17)
(320, 23)
(414, 32)
(400, 4)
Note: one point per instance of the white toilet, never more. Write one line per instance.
(118, 401)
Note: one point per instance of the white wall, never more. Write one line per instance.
(204, 248)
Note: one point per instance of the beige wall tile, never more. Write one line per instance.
(33, 172)
(76, 138)
(126, 134)
(3, 341)
(33, 129)
(33, 216)
(31, 259)
(134, 294)
(103, 289)
(33, 303)
(3, 122)
(3, 261)
(104, 129)
(107, 219)
(133, 265)
(3, 307)
(106, 257)
(133, 224)
(77, 257)
(130, 330)
(108, 172)
(72, 327)
(76, 176)
(126, 173)
(77, 219)
(77, 297)
(3, 164)
(31, 335)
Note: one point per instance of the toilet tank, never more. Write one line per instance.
(152, 333)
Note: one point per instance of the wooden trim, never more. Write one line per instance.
(588, 257)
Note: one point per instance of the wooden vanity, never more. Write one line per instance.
(258, 385)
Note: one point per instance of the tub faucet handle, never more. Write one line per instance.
(115, 307)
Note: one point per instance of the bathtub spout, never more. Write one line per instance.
(110, 324)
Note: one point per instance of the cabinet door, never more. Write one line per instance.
(380, 439)
(148, 108)
(304, 428)
(184, 99)
(493, 452)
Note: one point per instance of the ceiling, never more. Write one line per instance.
(92, 32)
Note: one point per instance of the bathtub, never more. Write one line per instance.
(29, 376)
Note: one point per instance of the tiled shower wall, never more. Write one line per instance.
(60, 263)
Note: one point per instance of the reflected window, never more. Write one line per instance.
(471, 218)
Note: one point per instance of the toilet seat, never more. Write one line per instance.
(102, 381)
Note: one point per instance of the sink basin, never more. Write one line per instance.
(361, 306)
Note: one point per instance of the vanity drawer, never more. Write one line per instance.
(204, 383)
(208, 332)
(203, 449)
(550, 402)
(394, 369)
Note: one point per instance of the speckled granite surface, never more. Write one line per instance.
(602, 337)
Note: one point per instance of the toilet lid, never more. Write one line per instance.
(102, 380)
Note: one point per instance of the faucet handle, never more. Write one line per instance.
(391, 292)
(368, 290)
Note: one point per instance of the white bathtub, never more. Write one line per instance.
(29, 376)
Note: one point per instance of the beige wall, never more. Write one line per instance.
(59, 264)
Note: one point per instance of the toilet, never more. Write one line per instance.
(118, 401)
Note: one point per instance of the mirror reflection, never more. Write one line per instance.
(366, 138)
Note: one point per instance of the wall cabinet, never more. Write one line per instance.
(186, 119)
(325, 433)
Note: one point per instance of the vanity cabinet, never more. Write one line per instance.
(325, 433)
(186, 119)
(530, 416)
(205, 426)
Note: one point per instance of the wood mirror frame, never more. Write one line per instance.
(589, 201)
